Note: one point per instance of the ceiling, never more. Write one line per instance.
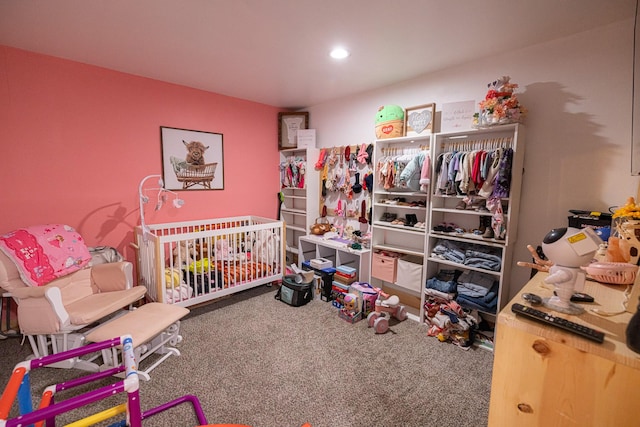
(276, 51)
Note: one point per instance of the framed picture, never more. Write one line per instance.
(288, 125)
(419, 120)
(191, 159)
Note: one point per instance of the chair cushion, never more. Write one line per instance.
(94, 307)
(43, 253)
(142, 324)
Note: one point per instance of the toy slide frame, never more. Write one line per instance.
(19, 387)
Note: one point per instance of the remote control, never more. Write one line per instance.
(558, 322)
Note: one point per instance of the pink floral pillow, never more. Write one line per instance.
(44, 253)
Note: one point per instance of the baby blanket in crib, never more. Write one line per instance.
(43, 253)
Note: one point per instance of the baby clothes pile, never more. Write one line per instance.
(446, 318)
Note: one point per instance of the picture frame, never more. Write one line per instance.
(191, 159)
(418, 120)
(288, 125)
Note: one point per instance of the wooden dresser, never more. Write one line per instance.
(543, 376)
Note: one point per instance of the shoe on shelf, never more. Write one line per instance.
(412, 219)
(488, 233)
(389, 216)
(461, 205)
(479, 205)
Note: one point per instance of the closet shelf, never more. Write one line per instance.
(407, 139)
(292, 249)
(399, 249)
(402, 193)
(462, 196)
(389, 205)
(291, 196)
(468, 238)
(294, 211)
(399, 227)
(462, 211)
(296, 228)
(463, 266)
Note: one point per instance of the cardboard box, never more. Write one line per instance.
(321, 263)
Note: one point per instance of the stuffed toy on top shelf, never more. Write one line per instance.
(389, 122)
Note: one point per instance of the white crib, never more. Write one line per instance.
(188, 263)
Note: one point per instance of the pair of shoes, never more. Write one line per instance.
(419, 225)
(398, 221)
(388, 216)
(462, 205)
(478, 205)
(412, 220)
(445, 227)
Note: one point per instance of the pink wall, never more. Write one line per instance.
(77, 140)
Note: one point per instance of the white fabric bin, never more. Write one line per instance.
(409, 273)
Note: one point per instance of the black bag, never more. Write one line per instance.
(295, 294)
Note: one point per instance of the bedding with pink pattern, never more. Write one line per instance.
(44, 253)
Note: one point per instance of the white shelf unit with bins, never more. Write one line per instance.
(409, 241)
(298, 201)
(443, 209)
(312, 247)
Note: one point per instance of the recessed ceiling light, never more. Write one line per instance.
(339, 53)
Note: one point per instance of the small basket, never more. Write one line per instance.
(616, 273)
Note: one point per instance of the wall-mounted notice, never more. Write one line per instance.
(306, 138)
(457, 116)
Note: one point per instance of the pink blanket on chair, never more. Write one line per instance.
(45, 252)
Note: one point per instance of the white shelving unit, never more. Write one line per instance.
(443, 211)
(312, 247)
(299, 203)
(409, 241)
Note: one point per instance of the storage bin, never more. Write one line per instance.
(384, 266)
(409, 273)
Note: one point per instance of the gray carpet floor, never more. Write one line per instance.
(253, 360)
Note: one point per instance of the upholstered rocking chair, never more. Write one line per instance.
(56, 316)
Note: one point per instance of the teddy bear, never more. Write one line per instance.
(223, 252)
(184, 254)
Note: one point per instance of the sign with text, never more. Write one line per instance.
(457, 116)
(306, 138)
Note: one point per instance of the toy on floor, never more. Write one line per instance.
(391, 305)
(351, 309)
(19, 387)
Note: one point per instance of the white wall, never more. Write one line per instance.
(578, 91)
